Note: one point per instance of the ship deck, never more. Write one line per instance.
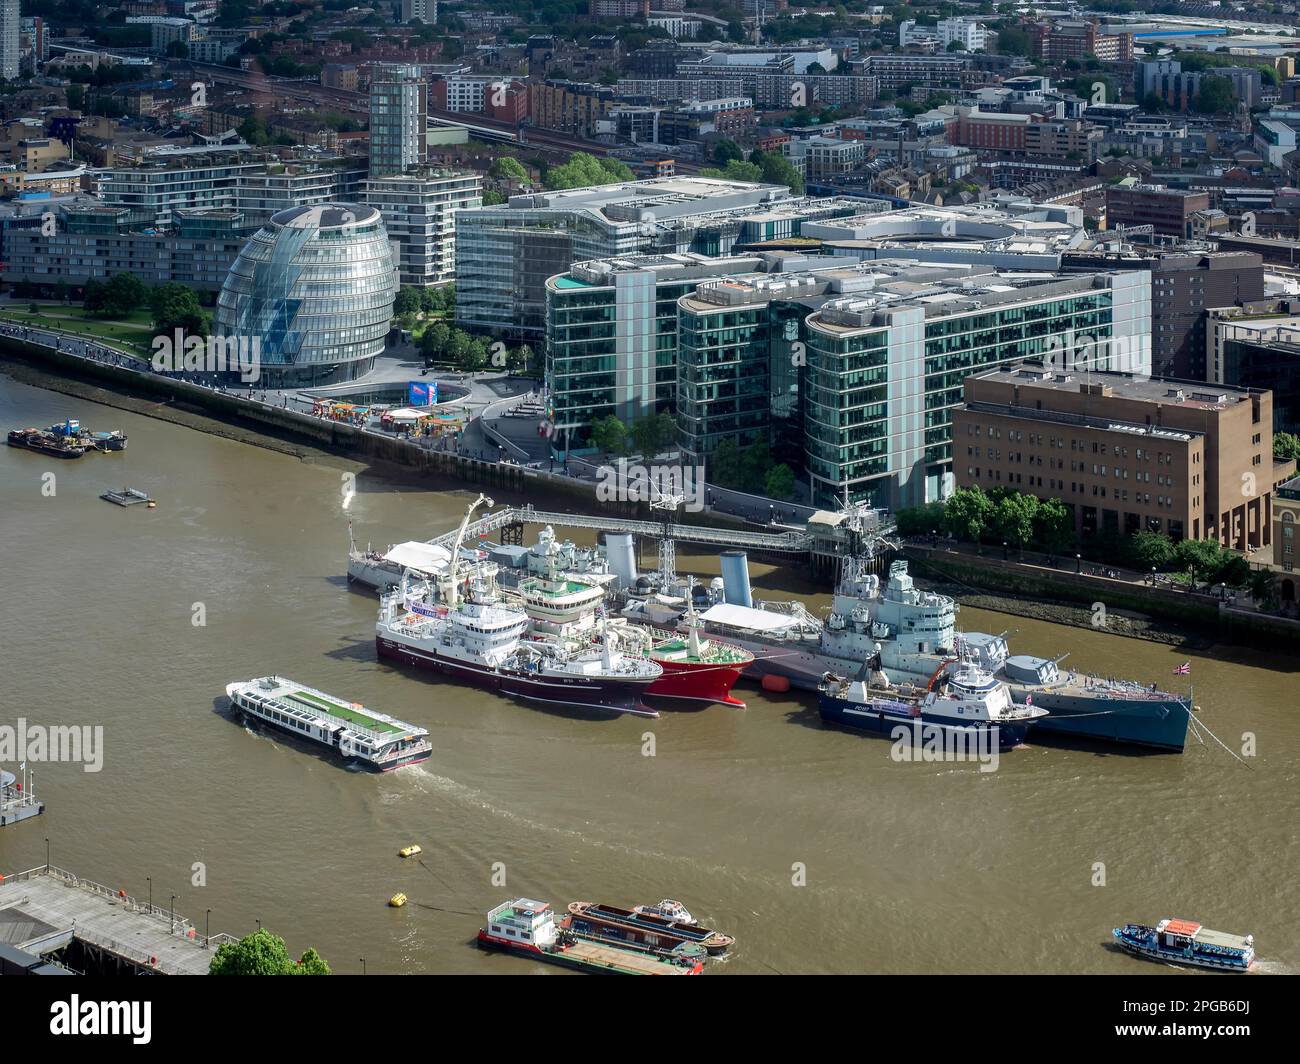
(622, 961)
(1221, 938)
(332, 709)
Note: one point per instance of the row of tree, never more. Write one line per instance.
(172, 305)
(650, 435)
(750, 469)
(414, 299)
(769, 166)
(1008, 516)
(1001, 515)
(445, 343)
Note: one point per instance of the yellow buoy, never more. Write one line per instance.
(397, 901)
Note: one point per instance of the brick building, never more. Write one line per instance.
(1169, 210)
(1125, 452)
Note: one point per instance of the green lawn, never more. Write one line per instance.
(334, 710)
(134, 332)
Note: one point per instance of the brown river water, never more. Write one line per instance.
(810, 845)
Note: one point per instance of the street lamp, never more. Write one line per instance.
(172, 910)
(1004, 550)
(47, 855)
(363, 966)
(149, 880)
(207, 928)
(1078, 563)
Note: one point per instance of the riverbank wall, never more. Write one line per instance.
(297, 433)
(1117, 606)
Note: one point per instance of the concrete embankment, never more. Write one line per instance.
(1136, 611)
(302, 435)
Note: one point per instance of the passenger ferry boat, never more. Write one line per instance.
(528, 928)
(1187, 942)
(968, 706)
(358, 735)
(643, 928)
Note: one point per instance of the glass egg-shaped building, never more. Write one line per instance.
(312, 294)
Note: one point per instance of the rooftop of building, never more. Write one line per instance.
(325, 216)
(664, 197)
(1162, 391)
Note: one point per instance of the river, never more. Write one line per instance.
(810, 845)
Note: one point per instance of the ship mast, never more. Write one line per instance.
(667, 505)
(455, 550)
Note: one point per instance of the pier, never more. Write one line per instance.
(513, 518)
(47, 910)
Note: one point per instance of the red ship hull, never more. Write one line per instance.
(698, 681)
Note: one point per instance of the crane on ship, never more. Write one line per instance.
(453, 576)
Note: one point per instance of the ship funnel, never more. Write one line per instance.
(735, 578)
(620, 552)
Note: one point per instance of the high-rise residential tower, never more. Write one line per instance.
(399, 119)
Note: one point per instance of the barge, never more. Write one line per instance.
(527, 928)
(358, 735)
(45, 443)
(640, 928)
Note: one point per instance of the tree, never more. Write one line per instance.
(778, 170)
(779, 482)
(724, 463)
(725, 150)
(174, 306)
(967, 514)
(1286, 445)
(1013, 41)
(435, 340)
(521, 358)
(920, 520)
(584, 170)
(1013, 517)
(1215, 96)
(1054, 526)
(1150, 550)
(263, 953)
(608, 434)
(408, 301)
(508, 168)
(1204, 557)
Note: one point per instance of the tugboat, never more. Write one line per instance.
(45, 443)
(969, 710)
(1187, 942)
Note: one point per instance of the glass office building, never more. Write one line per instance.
(315, 288)
(849, 371)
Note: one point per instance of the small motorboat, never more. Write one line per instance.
(409, 851)
(397, 900)
(668, 910)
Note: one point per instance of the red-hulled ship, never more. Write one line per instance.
(698, 670)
